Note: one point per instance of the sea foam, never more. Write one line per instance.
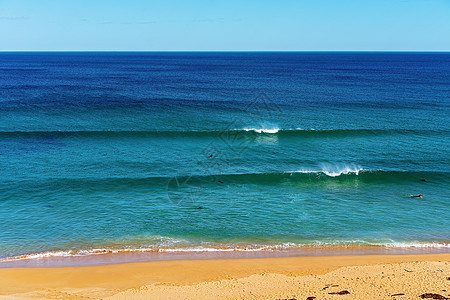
(230, 248)
(263, 130)
(333, 170)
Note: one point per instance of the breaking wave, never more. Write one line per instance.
(287, 246)
(296, 132)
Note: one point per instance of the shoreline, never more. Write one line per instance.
(106, 257)
(255, 278)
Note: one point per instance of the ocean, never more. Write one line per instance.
(222, 151)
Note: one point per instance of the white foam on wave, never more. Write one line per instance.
(253, 248)
(263, 130)
(333, 170)
(415, 245)
(156, 249)
(386, 244)
(342, 171)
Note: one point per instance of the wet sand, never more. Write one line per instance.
(354, 276)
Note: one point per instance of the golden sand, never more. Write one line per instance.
(351, 277)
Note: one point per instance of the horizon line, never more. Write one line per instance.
(422, 51)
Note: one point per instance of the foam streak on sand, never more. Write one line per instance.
(267, 278)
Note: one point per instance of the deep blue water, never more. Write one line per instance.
(113, 150)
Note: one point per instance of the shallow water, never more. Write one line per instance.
(113, 151)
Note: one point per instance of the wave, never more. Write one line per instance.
(174, 184)
(286, 246)
(333, 171)
(264, 130)
(344, 175)
(246, 132)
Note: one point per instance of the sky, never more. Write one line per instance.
(233, 25)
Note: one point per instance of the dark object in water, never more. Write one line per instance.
(400, 294)
(199, 207)
(211, 156)
(423, 180)
(219, 181)
(417, 196)
(432, 296)
(345, 292)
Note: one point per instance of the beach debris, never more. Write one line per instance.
(448, 278)
(432, 296)
(399, 294)
(344, 292)
(408, 271)
(310, 298)
(329, 285)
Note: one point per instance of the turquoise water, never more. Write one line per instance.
(217, 151)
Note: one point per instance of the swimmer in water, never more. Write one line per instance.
(417, 196)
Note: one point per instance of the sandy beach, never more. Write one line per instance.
(323, 277)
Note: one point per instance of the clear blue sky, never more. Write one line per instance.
(225, 25)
